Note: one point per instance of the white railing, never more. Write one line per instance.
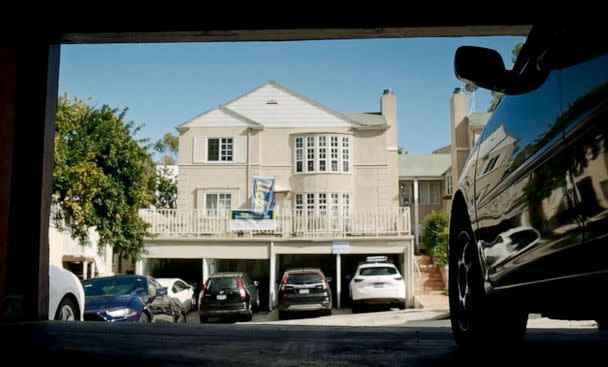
(289, 223)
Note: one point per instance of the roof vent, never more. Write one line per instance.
(272, 101)
(388, 92)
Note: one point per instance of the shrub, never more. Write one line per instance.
(435, 236)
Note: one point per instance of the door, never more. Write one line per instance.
(525, 210)
(585, 113)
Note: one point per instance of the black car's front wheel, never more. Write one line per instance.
(477, 318)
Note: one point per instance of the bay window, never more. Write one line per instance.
(322, 154)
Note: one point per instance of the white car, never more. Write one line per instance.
(177, 288)
(66, 295)
(377, 283)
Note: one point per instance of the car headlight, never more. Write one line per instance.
(122, 312)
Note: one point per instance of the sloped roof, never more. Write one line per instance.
(274, 105)
(427, 165)
(368, 118)
(478, 120)
(443, 150)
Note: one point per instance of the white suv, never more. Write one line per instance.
(377, 282)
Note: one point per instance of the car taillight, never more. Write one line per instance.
(324, 281)
(202, 292)
(284, 281)
(357, 280)
(242, 291)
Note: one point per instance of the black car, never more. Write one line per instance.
(304, 290)
(229, 294)
(129, 298)
(529, 218)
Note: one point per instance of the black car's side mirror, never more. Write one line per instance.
(256, 283)
(160, 292)
(483, 67)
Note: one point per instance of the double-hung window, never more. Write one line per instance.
(220, 150)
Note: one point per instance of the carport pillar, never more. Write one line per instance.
(205, 270)
(273, 278)
(408, 274)
(139, 267)
(85, 269)
(416, 214)
(338, 279)
(93, 269)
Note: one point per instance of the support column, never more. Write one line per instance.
(272, 294)
(205, 270)
(85, 270)
(93, 269)
(408, 274)
(338, 279)
(416, 218)
(139, 267)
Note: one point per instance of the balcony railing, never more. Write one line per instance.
(178, 223)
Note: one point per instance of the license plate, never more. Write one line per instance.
(220, 297)
(304, 291)
(378, 285)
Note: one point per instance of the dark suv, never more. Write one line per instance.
(229, 294)
(529, 217)
(304, 290)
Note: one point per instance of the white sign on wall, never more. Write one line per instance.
(340, 247)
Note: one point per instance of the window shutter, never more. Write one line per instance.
(240, 149)
(199, 149)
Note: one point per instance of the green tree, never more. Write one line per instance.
(168, 146)
(165, 193)
(102, 176)
(435, 235)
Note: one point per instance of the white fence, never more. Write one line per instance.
(289, 223)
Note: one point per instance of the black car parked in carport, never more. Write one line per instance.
(529, 217)
(229, 294)
(129, 298)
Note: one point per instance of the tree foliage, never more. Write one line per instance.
(165, 194)
(435, 236)
(102, 175)
(168, 145)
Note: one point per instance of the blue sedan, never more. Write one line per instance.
(129, 298)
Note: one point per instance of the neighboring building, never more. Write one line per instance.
(336, 194)
(422, 186)
(86, 261)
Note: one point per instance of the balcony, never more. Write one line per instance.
(297, 224)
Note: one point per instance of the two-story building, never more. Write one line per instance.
(336, 191)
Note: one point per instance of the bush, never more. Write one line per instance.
(435, 236)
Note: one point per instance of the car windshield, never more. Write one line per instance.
(384, 270)
(304, 278)
(114, 286)
(217, 284)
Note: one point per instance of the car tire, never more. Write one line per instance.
(182, 318)
(283, 315)
(143, 318)
(327, 312)
(477, 319)
(602, 324)
(204, 319)
(67, 310)
(401, 306)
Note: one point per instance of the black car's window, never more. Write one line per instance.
(378, 271)
(304, 278)
(114, 286)
(217, 284)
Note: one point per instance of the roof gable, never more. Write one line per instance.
(219, 117)
(273, 105)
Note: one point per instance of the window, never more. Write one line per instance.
(219, 149)
(346, 204)
(406, 190)
(448, 184)
(429, 192)
(322, 154)
(310, 154)
(310, 202)
(322, 202)
(491, 164)
(218, 202)
(334, 203)
(299, 154)
(345, 156)
(317, 202)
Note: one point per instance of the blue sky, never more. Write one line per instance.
(164, 85)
